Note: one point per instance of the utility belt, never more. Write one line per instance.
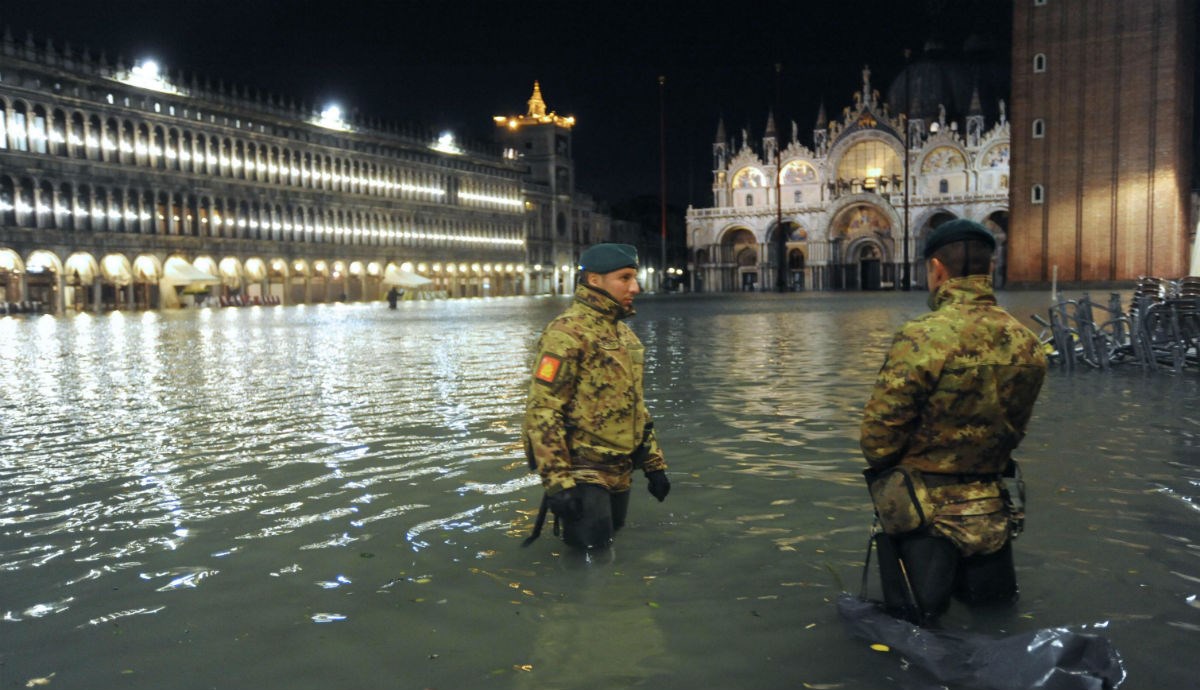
(939, 480)
(906, 499)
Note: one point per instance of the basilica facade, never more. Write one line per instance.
(122, 186)
(856, 205)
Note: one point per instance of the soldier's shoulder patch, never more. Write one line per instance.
(547, 368)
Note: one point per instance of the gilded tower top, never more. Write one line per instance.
(536, 115)
(537, 107)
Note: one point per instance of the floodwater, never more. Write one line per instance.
(335, 497)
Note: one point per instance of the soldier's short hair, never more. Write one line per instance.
(966, 257)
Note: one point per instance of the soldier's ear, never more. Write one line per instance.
(937, 273)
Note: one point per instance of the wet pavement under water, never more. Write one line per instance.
(335, 496)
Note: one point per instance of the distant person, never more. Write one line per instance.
(393, 296)
(952, 402)
(586, 424)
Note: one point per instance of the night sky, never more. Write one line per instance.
(453, 65)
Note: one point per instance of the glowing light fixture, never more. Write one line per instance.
(445, 144)
(331, 118)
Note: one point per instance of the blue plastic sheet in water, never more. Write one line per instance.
(1049, 659)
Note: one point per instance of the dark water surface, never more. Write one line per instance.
(335, 497)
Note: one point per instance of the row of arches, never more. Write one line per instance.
(91, 281)
(861, 248)
(76, 134)
(83, 207)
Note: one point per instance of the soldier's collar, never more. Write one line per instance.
(975, 288)
(601, 301)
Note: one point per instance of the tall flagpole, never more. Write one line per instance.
(781, 260)
(662, 177)
(906, 277)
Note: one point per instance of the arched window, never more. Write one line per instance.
(1038, 194)
(158, 149)
(38, 130)
(1039, 128)
(83, 207)
(1039, 62)
(943, 186)
(749, 199)
(58, 133)
(17, 131)
(76, 136)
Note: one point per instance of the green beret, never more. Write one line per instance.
(608, 257)
(957, 230)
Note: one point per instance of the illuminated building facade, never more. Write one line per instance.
(121, 187)
(877, 179)
(1102, 140)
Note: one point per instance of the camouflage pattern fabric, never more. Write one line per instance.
(954, 396)
(585, 413)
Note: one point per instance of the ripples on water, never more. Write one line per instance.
(335, 496)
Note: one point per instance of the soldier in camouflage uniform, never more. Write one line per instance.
(586, 423)
(952, 401)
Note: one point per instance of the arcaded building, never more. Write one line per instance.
(1102, 100)
(124, 187)
(857, 202)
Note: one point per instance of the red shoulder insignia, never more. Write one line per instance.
(547, 369)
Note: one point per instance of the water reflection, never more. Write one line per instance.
(205, 484)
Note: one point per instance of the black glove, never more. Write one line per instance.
(659, 485)
(566, 504)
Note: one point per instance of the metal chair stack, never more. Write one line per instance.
(1160, 330)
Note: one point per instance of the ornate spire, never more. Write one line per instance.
(720, 131)
(537, 107)
(770, 133)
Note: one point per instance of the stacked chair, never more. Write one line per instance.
(1160, 330)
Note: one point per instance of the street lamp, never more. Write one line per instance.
(662, 167)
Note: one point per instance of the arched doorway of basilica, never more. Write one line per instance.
(795, 246)
(796, 268)
(870, 260)
(740, 249)
(747, 269)
(861, 236)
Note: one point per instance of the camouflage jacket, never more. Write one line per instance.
(585, 414)
(954, 397)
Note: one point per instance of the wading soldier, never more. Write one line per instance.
(586, 425)
(949, 406)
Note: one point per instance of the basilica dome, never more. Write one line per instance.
(942, 77)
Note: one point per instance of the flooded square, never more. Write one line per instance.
(335, 496)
